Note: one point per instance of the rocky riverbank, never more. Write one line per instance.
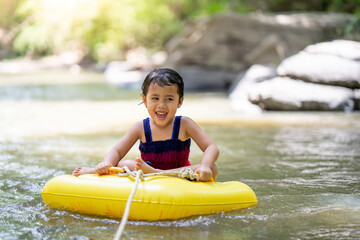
(265, 62)
(211, 52)
(322, 77)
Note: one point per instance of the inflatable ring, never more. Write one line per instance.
(156, 198)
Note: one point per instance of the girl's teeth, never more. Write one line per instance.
(161, 115)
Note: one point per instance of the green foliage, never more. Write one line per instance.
(348, 6)
(106, 29)
(352, 6)
(34, 39)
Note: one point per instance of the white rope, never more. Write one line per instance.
(128, 205)
(184, 173)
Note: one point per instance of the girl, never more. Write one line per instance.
(164, 137)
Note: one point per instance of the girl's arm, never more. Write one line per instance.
(206, 144)
(120, 149)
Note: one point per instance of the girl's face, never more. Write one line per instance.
(162, 103)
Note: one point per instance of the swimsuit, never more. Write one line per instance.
(165, 154)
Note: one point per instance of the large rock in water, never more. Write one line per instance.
(341, 48)
(123, 75)
(332, 63)
(357, 99)
(282, 93)
(229, 44)
(239, 96)
(205, 79)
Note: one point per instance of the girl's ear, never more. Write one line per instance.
(180, 102)
(144, 99)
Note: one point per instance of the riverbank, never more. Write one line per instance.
(37, 119)
(59, 103)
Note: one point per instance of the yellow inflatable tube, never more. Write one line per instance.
(157, 198)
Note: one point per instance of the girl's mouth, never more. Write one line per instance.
(161, 116)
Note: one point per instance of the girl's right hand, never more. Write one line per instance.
(103, 168)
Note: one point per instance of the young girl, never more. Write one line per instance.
(164, 137)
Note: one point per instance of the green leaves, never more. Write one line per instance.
(106, 29)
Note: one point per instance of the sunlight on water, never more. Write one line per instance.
(304, 167)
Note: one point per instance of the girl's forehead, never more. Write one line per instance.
(168, 89)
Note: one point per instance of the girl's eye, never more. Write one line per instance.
(155, 98)
(169, 99)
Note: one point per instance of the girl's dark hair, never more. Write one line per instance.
(163, 77)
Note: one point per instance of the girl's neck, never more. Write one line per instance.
(163, 132)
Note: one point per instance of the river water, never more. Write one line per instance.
(303, 167)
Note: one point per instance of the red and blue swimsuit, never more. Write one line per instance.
(165, 154)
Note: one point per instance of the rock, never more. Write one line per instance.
(287, 94)
(66, 60)
(234, 42)
(140, 58)
(122, 74)
(131, 72)
(203, 79)
(357, 99)
(341, 48)
(322, 68)
(244, 82)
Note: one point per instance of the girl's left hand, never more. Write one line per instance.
(205, 174)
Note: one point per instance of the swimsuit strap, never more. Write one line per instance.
(147, 130)
(176, 128)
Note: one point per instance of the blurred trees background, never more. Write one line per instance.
(105, 29)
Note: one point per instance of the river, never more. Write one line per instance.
(303, 166)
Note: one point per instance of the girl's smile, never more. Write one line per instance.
(161, 115)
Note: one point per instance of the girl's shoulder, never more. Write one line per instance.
(137, 128)
(187, 123)
(186, 120)
(137, 125)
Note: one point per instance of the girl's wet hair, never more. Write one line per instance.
(163, 77)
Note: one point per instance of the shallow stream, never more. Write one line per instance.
(303, 167)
